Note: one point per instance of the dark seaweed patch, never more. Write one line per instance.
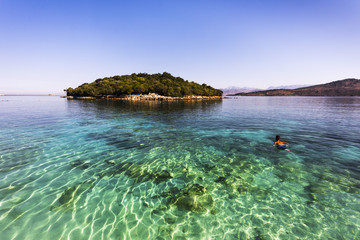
(136, 171)
(80, 164)
(220, 180)
(120, 140)
(208, 167)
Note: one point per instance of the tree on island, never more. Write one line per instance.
(163, 84)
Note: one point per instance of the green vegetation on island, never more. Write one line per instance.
(163, 84)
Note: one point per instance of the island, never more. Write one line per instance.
(346, 87)
(143, 86)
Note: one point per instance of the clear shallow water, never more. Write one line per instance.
(203, 170)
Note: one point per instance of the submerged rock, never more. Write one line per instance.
(238, 185)
(193, 198)
(195, 203)
(68, 197)
(162, 176)
(196, 189)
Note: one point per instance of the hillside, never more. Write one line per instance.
(346, 87)
(163, 84)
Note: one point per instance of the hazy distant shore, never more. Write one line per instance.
(346, 87)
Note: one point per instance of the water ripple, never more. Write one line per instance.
(115, 170)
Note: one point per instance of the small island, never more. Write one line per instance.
(143, 86)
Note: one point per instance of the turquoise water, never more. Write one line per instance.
(73, 169)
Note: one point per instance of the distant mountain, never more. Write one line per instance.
(287, 87)
(346, 87)
(233, 90)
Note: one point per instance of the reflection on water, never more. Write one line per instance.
(168, 109)
(180, 170)
(142, 106)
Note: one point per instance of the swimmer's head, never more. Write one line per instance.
(277, 138)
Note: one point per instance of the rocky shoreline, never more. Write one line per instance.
(148, 97)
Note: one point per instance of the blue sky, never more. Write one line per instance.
(47, 46)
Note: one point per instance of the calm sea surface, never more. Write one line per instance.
(72, 169)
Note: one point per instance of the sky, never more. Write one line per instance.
(48, 46)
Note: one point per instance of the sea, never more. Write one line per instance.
(112, 169)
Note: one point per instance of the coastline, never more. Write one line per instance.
(146, 97)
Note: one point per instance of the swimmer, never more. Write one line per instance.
(280, 144)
